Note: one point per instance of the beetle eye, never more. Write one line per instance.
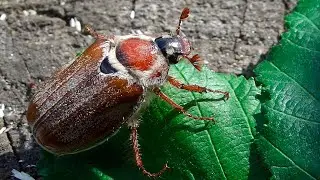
(162, 43)
(106, 67)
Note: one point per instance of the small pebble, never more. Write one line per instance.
(32, 12)
(132, 14)
(8, 129)
(25, 12)
(3, 17)
(78, 25)
(75, 23)
(2, 107)
(2, 130)
(21, 175)
(72, 23)
(29, 12)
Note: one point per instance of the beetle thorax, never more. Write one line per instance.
(143, 59)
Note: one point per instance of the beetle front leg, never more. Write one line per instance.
(137, 155)
(195, 61)
(194, 88)
(164, 97)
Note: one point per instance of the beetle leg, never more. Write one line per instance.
(195, 61)
(137, 155)
(194, 88)
(184, 15)
(88, 29)
(163, 96)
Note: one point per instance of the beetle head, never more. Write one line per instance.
(174, 47)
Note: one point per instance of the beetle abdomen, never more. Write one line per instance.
(79, 107)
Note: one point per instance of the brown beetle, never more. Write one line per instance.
(85, 103)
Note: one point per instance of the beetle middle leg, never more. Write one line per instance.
(195, 88)
(137, 155)
(164, 97)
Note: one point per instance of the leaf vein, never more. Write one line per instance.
(244, 112)
(215, 152)
(299, 118)
(306, 90)
(288, 158)
(309, 20)
(299, 46)
(238, 85)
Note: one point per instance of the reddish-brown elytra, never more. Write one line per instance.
(85, 103)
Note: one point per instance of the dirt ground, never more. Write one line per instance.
(36, 38)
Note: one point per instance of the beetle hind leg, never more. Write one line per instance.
(88, 29)
(137, 155)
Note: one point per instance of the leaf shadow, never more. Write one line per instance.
(258, 169)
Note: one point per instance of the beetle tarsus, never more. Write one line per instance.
(137, 155)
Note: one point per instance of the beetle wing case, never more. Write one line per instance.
(79, 106)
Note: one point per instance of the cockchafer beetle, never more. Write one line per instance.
(85, 103)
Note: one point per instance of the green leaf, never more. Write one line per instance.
(290, 138)
(194, 149)
(200, 149)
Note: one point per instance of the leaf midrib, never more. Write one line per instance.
(207, 132)
(243, 111)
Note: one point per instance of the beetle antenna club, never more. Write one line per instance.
(195, 60)
(184, 15)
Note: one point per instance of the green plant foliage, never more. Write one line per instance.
(200, 149)
(290, 138)
(193, 149)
